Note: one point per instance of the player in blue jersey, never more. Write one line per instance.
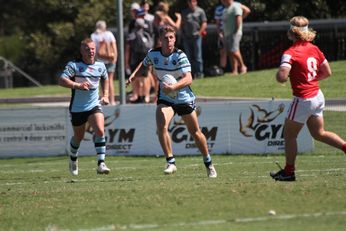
(83, 77)
(167, 59)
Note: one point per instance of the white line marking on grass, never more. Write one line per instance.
(215, 222)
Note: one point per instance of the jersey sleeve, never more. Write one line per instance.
(147, 60)
(69, 71)
(286, 59)
(183, 63)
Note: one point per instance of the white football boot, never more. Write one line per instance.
(211, 172)
(73, 166)
(102, 169)
(170, 169)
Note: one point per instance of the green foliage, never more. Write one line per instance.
(11, 47)
(49, 31)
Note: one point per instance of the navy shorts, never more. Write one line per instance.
(180, 109)
(80, 118)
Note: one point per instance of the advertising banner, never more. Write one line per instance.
(247, 127)
(229, 127)
(32, 131)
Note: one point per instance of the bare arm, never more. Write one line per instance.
(114, 46)
(133, 75)
(324, 71)
(66, 82)
(186, 80)
(282, 74)
(105, 93)
(246, 10)
(203, 28)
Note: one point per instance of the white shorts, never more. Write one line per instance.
(301, 109)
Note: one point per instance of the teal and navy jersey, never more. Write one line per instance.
(175, 64)
(81, 72)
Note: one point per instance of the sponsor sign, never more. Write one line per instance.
(229, 127)
(32, 132)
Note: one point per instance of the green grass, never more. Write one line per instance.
(254, 84)
(39, 194)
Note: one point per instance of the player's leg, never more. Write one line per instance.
(96, 121)
(316, 128)
(291, 131)
(192, 125)
(164, 115)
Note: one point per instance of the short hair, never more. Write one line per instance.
(166, 29)
(86, 41)
(300, 29)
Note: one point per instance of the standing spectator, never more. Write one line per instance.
(305, 65)
(138, 42)
(145, 5)
(140, 87)
(219, 29)
(176, 98)
(106, 52)
(233, 16)
(83, 77)
(194, 24)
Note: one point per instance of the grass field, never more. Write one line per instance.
(39, 193)
(254, 84)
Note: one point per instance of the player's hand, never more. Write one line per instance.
(167, 88)
(104, 100)
(83, 86)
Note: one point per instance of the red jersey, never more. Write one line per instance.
(304, 59)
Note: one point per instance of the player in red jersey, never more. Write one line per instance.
(304, 64)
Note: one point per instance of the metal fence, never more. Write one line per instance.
(263, 43)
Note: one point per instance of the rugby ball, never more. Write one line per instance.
(169, 79)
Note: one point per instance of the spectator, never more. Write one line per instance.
(304, 65)
(233, 16)
(106, 52)
(145, 5)
(219, 29)
(175, 98)
(137, 45)
(194, 24)
(140, 87)
(83, 77)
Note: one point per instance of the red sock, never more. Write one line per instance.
(344, 148)
(289, 169)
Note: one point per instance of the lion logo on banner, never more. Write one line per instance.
(258, 116)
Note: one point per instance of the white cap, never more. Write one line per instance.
(135, 6)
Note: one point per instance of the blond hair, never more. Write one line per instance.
(300, 29)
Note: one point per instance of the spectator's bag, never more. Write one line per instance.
(105, 51)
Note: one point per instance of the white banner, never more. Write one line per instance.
(230, 128)
(32, 131)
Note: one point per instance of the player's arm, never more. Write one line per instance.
(105, 92)
(66, 82)
(282, 74)
(324, 71)
(185, 80)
